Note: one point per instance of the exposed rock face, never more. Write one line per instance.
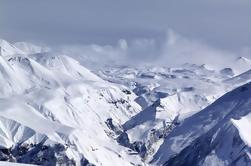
(227, 71)
(123, 139)
(139, 147)
(39, 154)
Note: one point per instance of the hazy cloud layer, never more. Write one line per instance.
(174, 50)
(221, 23)
(133, 32)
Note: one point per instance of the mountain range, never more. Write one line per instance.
(55, 111)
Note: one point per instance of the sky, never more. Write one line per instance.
(224, 23)
(220, 24)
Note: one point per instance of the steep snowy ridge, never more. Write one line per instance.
(8, 49)
(239, 79)
(50, 101)
(193, 142)
(223, 146)
(242, 64)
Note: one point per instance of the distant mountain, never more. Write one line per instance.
(8, 49)
(240, 79)
(241, 64)
(30, 48)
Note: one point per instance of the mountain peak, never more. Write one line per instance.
(2, 41)
(243, 59)
(8, 49)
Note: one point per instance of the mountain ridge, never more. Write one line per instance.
(56, 111)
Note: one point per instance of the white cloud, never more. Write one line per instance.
(175, 50)
(178, 49)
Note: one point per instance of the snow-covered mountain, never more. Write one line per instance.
(218, 135)
(55, 111)
(169, 96)
(8, 49)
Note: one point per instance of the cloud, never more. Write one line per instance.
(224, 23)
(178, 49)
(135, 52)
(174, 50)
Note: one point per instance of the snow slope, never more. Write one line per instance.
(55, 111)
(8, 49)
(239, 79)
(244, 126)
(241, 64)
(170, 95)
(51, 99)
(210, 134)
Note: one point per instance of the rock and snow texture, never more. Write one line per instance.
(52, 99)
(55, 111)
(217, 133)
